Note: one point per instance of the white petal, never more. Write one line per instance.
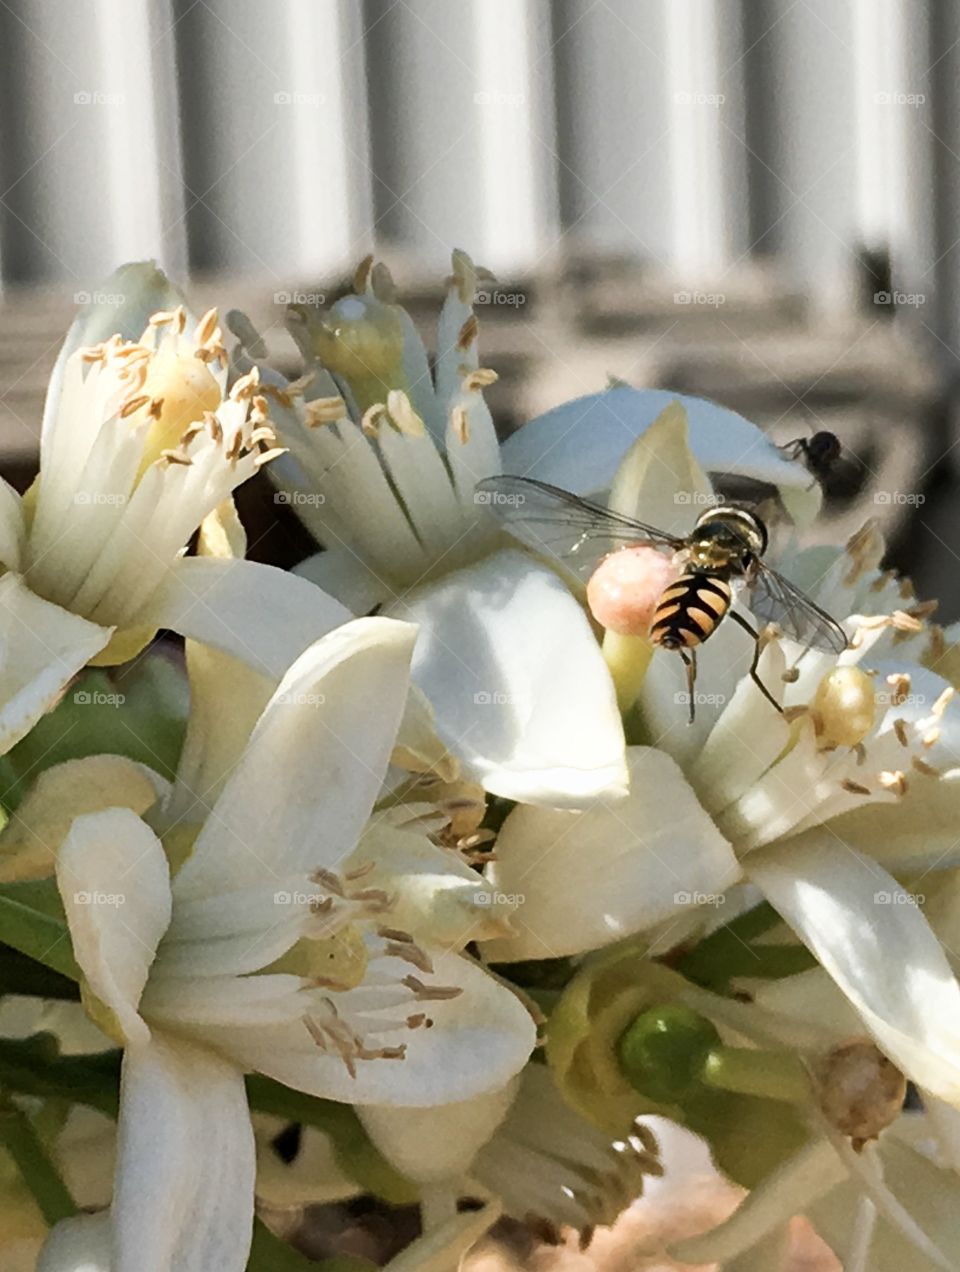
(303, 790)
(80, 1244)
(115, 884)
(918, 832)
(516, 677)
(659, 479)
(431, 1144)
(590, 878)
(578, 445)
(478, 1041)
(259, 614)
(343, 575)
(32, 837)
(877, 946)
(227, 698)
(41, 648)
(183, 1197)
(143, 290)
(12, 529)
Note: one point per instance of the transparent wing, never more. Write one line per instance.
(555, 523)
(773, 600)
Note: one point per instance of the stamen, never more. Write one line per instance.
(430, 993)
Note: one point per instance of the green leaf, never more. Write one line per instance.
(22, 975)
(34, 1066)
(32, 921)
(138, 711)
(20, 1139)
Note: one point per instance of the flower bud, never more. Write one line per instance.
(845, 706)
(625, 587)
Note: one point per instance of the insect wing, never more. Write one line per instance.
(561, 526)
(773, 600)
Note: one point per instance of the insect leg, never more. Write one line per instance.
(689, 657)
(757, 651)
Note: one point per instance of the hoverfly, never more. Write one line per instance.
(726, 545)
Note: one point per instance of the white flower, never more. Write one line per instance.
(267, 951)
(384, 458)
(142, 444)
(816, 806)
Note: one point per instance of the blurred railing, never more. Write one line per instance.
(759, 201)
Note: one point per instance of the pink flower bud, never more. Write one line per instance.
(625, 587)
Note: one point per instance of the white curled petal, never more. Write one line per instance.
(478, 1041)
(115, 884)
(261, 615)
(432, 1144)
(41, 648)
(578, 445)
(584, 879)
(183, 1196)
(301, 793)
(878, 947)
(518, 683)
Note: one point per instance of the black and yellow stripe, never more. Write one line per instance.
(689, 610)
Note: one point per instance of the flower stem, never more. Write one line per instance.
(628, 658)
(774, 1075)
(438, 1204)
(21, 1141)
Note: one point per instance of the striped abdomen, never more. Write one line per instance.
(689, 610)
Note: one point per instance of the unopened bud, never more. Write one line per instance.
(859, 1090)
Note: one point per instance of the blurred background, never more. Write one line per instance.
(754, 200)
